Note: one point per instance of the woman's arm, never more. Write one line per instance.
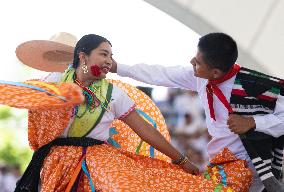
(153, 137)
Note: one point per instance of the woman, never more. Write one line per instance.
(81, 160)
(104, 103)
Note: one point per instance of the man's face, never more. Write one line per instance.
(200, 67)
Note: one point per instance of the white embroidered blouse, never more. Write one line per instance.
(120, 105)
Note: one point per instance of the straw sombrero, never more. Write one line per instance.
(48, 55)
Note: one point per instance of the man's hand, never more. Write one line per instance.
(239, 124)
(113, 68)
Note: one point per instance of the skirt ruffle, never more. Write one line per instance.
(112, 170)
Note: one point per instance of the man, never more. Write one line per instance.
(236, 101)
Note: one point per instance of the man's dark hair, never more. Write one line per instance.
(219, 50)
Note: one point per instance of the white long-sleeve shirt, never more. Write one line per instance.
(183, 77)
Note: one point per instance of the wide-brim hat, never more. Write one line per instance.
(52, 55)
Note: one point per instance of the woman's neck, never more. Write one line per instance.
(83, 79)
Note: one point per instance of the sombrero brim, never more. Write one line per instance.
(45, 55)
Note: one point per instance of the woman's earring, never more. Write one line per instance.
(85, 68)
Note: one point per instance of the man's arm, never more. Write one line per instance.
(271, 124)
(175, 77)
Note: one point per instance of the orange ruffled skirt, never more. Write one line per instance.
(112, 170)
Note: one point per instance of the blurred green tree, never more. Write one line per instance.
(14, 150)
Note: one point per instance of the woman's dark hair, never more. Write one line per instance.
(219, 50)
(86, 44)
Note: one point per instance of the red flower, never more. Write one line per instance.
(96, 71)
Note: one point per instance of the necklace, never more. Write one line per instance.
(92, 101)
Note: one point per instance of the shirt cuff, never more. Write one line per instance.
(259, 122)
(122, 69)
(262, 124)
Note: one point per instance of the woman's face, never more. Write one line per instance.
(98, 62)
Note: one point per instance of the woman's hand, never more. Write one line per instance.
(189, 167)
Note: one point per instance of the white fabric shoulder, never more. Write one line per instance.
(121, 103)
(53, 77)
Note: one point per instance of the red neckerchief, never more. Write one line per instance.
(212, 88)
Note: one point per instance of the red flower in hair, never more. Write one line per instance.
(96, 71)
